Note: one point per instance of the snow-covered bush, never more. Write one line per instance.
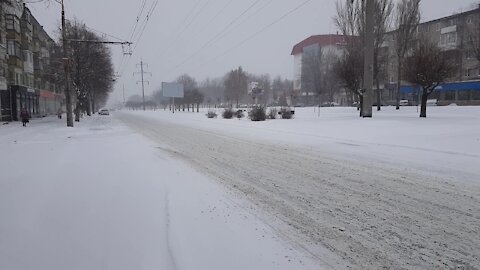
(257, 114)
(287, 113)
(228, 113)
(272, 113)
(239, 114)
(211, 114)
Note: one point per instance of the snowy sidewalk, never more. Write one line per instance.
(99, 196)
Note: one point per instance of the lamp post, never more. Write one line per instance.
(68, 95)
(369, 59)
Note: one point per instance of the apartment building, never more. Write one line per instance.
(30, 82)
(452, 34)
(328, 46)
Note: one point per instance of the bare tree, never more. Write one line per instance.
(235, 86)
(192, 94)
(213, 89)
(350, 66)
(406, 23)
(350, 70)
(91, 68)
(350, 20)
(428, 67)
(383, 11)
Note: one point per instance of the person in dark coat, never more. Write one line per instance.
(25, 117)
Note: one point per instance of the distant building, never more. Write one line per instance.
(324, 44)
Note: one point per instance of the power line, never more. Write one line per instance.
(147, 18)
(145, 23)
(256, 33)
(131, 35)
(247, 18)
(180, 26)
(218, 34)
(142, 8)
(105, 34)
(216, 16)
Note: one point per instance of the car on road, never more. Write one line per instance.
(103, 112)
(403, 102)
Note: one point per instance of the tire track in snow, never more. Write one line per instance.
(168, 230)
(370, 216)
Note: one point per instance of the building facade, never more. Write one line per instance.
(327, 47)
(29, 79)
(453, 35)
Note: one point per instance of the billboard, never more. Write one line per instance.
(174, 90)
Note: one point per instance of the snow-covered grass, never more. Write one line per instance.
(447, 143)
(99, 196)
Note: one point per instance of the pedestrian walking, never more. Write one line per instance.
(25, 117)
(59, 113)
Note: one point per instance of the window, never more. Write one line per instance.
(12, 23)
(471, 54)
(469, 19)
(471, 72)
(13, 48)
(448, 39)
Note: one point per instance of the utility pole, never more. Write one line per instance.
(123, 94)
(68, 97)
(369, 59)
(142, 72)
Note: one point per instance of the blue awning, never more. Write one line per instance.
(456, 86)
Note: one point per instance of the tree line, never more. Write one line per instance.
(228, 91)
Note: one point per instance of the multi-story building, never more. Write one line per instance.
(29, 79)
(452, 34)
(327, 46)
(50, 97)
(3, 59)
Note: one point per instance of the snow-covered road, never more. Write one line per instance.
(371, 215)
(99, 196)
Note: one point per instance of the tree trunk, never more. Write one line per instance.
(77, 113)
(379, 95)
(198, 109)
(423, 109)
(361, 105)
(399, 80)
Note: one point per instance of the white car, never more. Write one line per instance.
(104, 112)
(403, 102)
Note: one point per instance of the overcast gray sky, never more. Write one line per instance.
(207, 38)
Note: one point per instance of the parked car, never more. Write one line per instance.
(432, 102)
(104, 112)
(403, 102)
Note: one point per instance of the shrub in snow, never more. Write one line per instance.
(211, 114)
(257, 114)
(228, 113)
(287, 113)
(239, 114)
(272, 113)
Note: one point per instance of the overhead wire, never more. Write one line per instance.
(224, 30)
(132, 33)
(255, 34)
(178, 28)
(139, 36)
(215, 16)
